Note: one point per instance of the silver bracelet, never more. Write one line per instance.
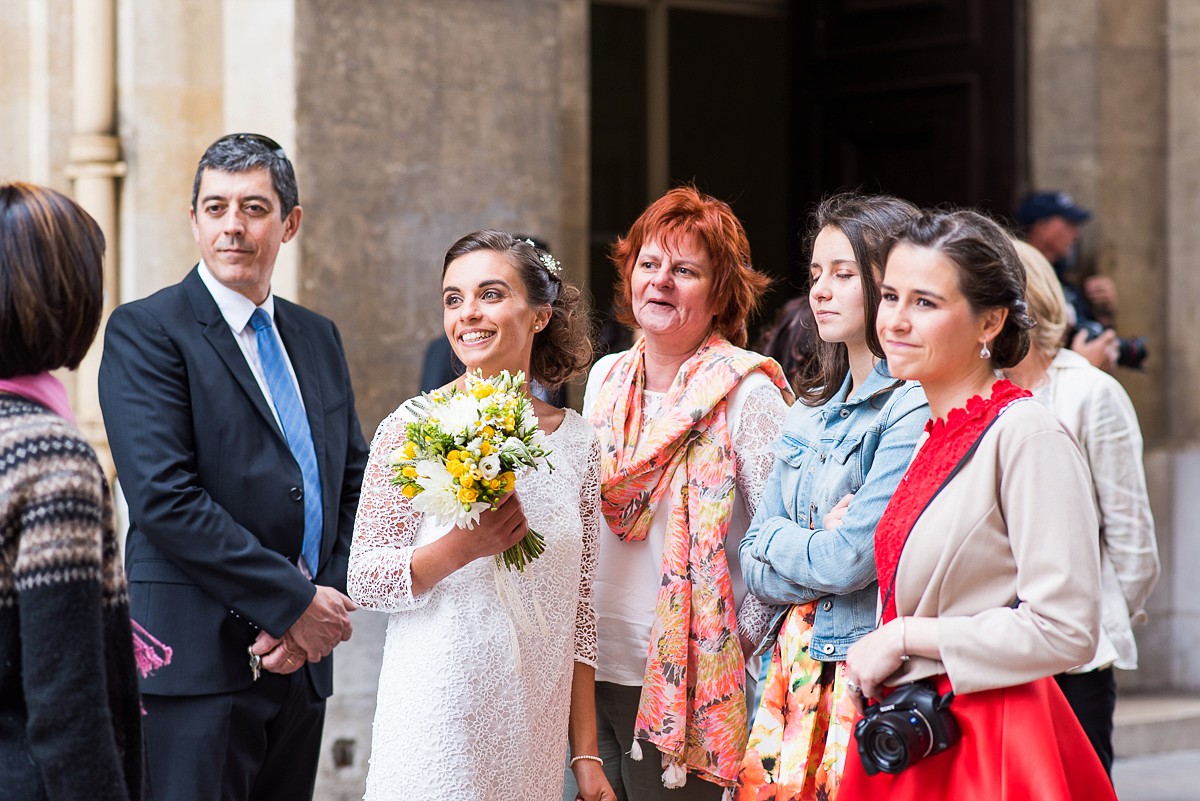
(903, 642)
(590, 757)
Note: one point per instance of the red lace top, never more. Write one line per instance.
(948, 441)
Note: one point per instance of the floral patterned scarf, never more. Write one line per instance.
(693, 705)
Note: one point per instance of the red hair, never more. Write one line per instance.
(685, 211)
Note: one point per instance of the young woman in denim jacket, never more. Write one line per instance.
(810, 546)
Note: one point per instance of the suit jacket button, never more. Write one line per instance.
(296, 494)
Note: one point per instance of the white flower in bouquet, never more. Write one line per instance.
(490, 466)
(440, 499)
(462, 454)
(459, 416)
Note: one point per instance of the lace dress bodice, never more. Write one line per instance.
(474, 692)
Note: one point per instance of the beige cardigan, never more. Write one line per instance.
(1096, 410)
(1017, 522)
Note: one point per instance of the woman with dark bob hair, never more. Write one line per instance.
(68, 682)
(811, 545)
(475, 701)
(988, 561)
(686, 419)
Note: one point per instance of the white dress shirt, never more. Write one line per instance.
(236, 308)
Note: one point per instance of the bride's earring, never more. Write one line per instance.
(984, 352)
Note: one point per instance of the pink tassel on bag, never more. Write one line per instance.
(148, 651)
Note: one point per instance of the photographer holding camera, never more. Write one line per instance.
(987, 591)
(1050, 222)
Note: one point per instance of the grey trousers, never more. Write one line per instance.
(616, 709)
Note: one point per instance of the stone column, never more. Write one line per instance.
(1098, 110)
(1181, 282)
(417, 123)
(95, 167)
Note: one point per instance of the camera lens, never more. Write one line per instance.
(894, 748)
(1132, 352)
(913, 723)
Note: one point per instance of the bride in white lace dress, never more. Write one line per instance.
(483, 685)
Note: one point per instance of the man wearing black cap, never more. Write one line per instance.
(1051, 221)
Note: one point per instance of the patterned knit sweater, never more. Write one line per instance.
(70, 718)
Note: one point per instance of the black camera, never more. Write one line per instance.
(910, 724)
(1131, 351)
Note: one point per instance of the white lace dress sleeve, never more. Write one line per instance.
(754, 450)
(379, 575)
(589, 512)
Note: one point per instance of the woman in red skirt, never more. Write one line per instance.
(988, 563)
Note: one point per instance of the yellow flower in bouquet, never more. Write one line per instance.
(462, 454)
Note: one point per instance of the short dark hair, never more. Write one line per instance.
(990, 273)
(51, 280)
(792, 339)
(867, 221)
(737, 288)
(563, 349)
(243, 152)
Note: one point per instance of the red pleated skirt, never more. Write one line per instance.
(1018, 744)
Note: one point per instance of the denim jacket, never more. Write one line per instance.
(861, 446)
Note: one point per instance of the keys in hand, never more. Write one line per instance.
(255, 664)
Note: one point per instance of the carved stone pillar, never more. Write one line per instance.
(94, 167)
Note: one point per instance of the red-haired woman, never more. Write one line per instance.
(686, 420)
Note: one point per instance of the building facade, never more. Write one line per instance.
(411, 123)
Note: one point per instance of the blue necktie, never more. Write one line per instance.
(297, 432)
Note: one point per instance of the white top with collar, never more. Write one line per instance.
(1097, 411)
(236, 308)
(628, 574)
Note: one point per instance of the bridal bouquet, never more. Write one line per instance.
(463, 453)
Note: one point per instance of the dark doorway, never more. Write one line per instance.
(771, 105)
(920, 98)
(686, 92)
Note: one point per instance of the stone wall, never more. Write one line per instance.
(1115, 119)
(1181, 308)
(418, 123)
(412, 123)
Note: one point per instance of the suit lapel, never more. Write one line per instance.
(218, 335)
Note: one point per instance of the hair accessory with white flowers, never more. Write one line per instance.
(549, 262)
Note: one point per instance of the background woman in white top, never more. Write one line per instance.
(1097, 411)
(686, 419)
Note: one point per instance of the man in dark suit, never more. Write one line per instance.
(232, 424)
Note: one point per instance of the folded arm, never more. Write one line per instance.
(785, 561)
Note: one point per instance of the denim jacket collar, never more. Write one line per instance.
(878, 379)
